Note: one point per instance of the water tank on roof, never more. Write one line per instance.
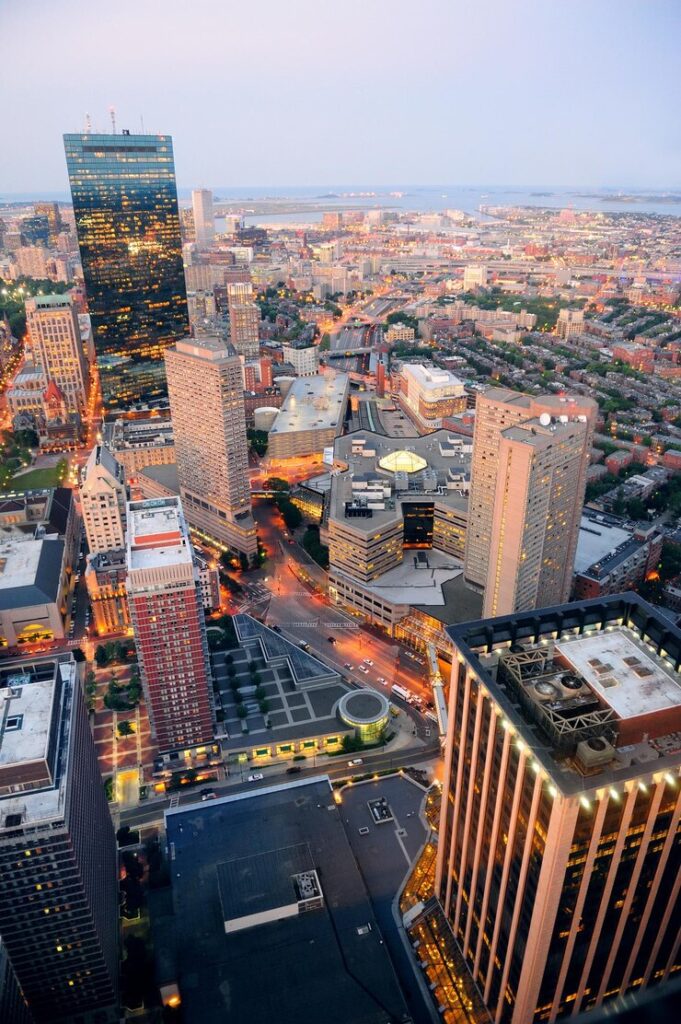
(284, 384)
(263, 418)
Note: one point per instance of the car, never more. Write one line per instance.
(348, 666)
(363, 668)
(256, 777)
(332, 639)
(208, 794)
(364, 831)
(383, 681)
(355, 761)
(294, 770)
(368, 661)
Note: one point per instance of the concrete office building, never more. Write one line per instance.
(59, 918)
(311, 416)
(166, 611)
(428, 394)
(530, 457)
(102, 500)
(136, 444)
(57, 346)
(474, 276)
(570, 321)
(204, 220)
(211, 448)
(244, 318)
(557, 885)
(396, 527)
(613, 555)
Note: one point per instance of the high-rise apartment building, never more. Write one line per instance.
(166, 610)
(126, 214)
(57, 346)
(557, 879)
(211, 448)
(204, 221)
(244, 317)
(530, 457)
(102, 500)
(59, 915)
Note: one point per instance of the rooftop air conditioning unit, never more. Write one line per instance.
(595, 752)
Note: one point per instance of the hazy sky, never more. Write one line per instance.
(303, 92)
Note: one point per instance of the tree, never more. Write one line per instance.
(260, 693)
(276, 483)
(291, 515)
(101, 656)
(242, 711)
(264, 706)
(125, 729)
(243, 561)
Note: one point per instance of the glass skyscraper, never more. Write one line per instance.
(125, 205)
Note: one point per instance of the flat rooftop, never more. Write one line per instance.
(411, 469)
(131, 434)
(592, 687)
(157, 534)
(415, 582)
(433, 378)
(313, 403)
(47, 686)
(599, 536)
(30, 571)
(623, 672)
(328, 964)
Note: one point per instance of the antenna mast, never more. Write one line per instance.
(88, 125)
(112, 114)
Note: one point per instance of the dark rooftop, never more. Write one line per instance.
(328, 964)
(461, 603)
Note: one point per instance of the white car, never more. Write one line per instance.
(383, 681)
(357, 760)
(363, 668)
(256, 777)
(368, 661)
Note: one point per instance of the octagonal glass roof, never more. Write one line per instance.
(402, 462)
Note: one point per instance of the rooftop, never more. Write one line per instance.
(30, 571)
(313, 403)
(157, 534)
(599, 536)
(328, 964)
(130, 434)
(431, 378)
(593, 687)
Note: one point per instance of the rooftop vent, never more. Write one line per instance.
(594, 753)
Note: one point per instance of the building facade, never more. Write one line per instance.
(136, 444)
(59, 917)
(102, 501)
(204, 222)
(166, 611)
(211, 449)
(542, 465)
(557, 863)
(125, 205)
(57, 346)
(429, 394)
(244, 318)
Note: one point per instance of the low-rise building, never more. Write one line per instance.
(305, 361)
(428, 394)
(613, 555)
(311, 416)
(139, 443)
(33, 589)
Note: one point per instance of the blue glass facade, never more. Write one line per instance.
(125, 205)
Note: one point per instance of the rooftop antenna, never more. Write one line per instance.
(112, 114)
(142, 122)
(88, 125)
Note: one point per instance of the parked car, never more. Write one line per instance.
(294, 770)
(256, 777)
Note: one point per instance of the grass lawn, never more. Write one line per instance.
(34, 480)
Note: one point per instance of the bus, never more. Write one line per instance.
(399, 691)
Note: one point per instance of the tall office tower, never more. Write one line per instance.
(125, 207)
(211, 449)
(496, 512)
(102, 500)
(244, 317)
(204, 221)
(51, 212)
(558, 854)
(59, 894)
(166, 611)
(57, 346)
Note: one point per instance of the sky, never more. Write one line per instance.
(375, 92)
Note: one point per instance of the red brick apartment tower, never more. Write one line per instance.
(167, 618)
